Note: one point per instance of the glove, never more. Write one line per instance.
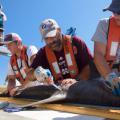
(113, 82)
(43, 75)
(116, 91)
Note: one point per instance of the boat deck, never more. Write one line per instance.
(44, 115)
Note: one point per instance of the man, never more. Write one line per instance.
(107, 47)
(20, 61)
(67, 57)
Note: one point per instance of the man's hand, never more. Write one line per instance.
(113, 82)
(116, 82)
(116, 90)
(43, 75)
(66, 83)
(13, 91)
(48, 81)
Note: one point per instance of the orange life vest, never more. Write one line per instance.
(69, 56)
(20, 72)
(113, 43)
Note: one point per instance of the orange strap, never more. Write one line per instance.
(113, 37)
(14, 64)
(68, 49)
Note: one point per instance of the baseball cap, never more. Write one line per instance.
(114, 6)
(11, 37)
(48, 28)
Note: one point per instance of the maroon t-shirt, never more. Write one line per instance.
(81, 53)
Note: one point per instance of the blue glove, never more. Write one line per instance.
(116, 91)
(48, 72)
(110, 84)
(41, 74)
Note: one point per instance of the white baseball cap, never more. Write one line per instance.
(48, 28)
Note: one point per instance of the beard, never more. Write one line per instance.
(55, 45)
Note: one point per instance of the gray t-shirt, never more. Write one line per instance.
(101, 36)
(101, 31)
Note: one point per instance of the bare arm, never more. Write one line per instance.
(11, 82)
(30, 75)
(99, 59)
(84, 74)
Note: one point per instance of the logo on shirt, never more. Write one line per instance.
(63, 66)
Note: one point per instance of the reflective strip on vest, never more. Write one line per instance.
(56, 67)
(113, 49)
(22, 70)
(68, 59)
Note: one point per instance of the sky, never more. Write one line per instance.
(25, 16)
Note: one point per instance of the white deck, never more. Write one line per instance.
(44, 115)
